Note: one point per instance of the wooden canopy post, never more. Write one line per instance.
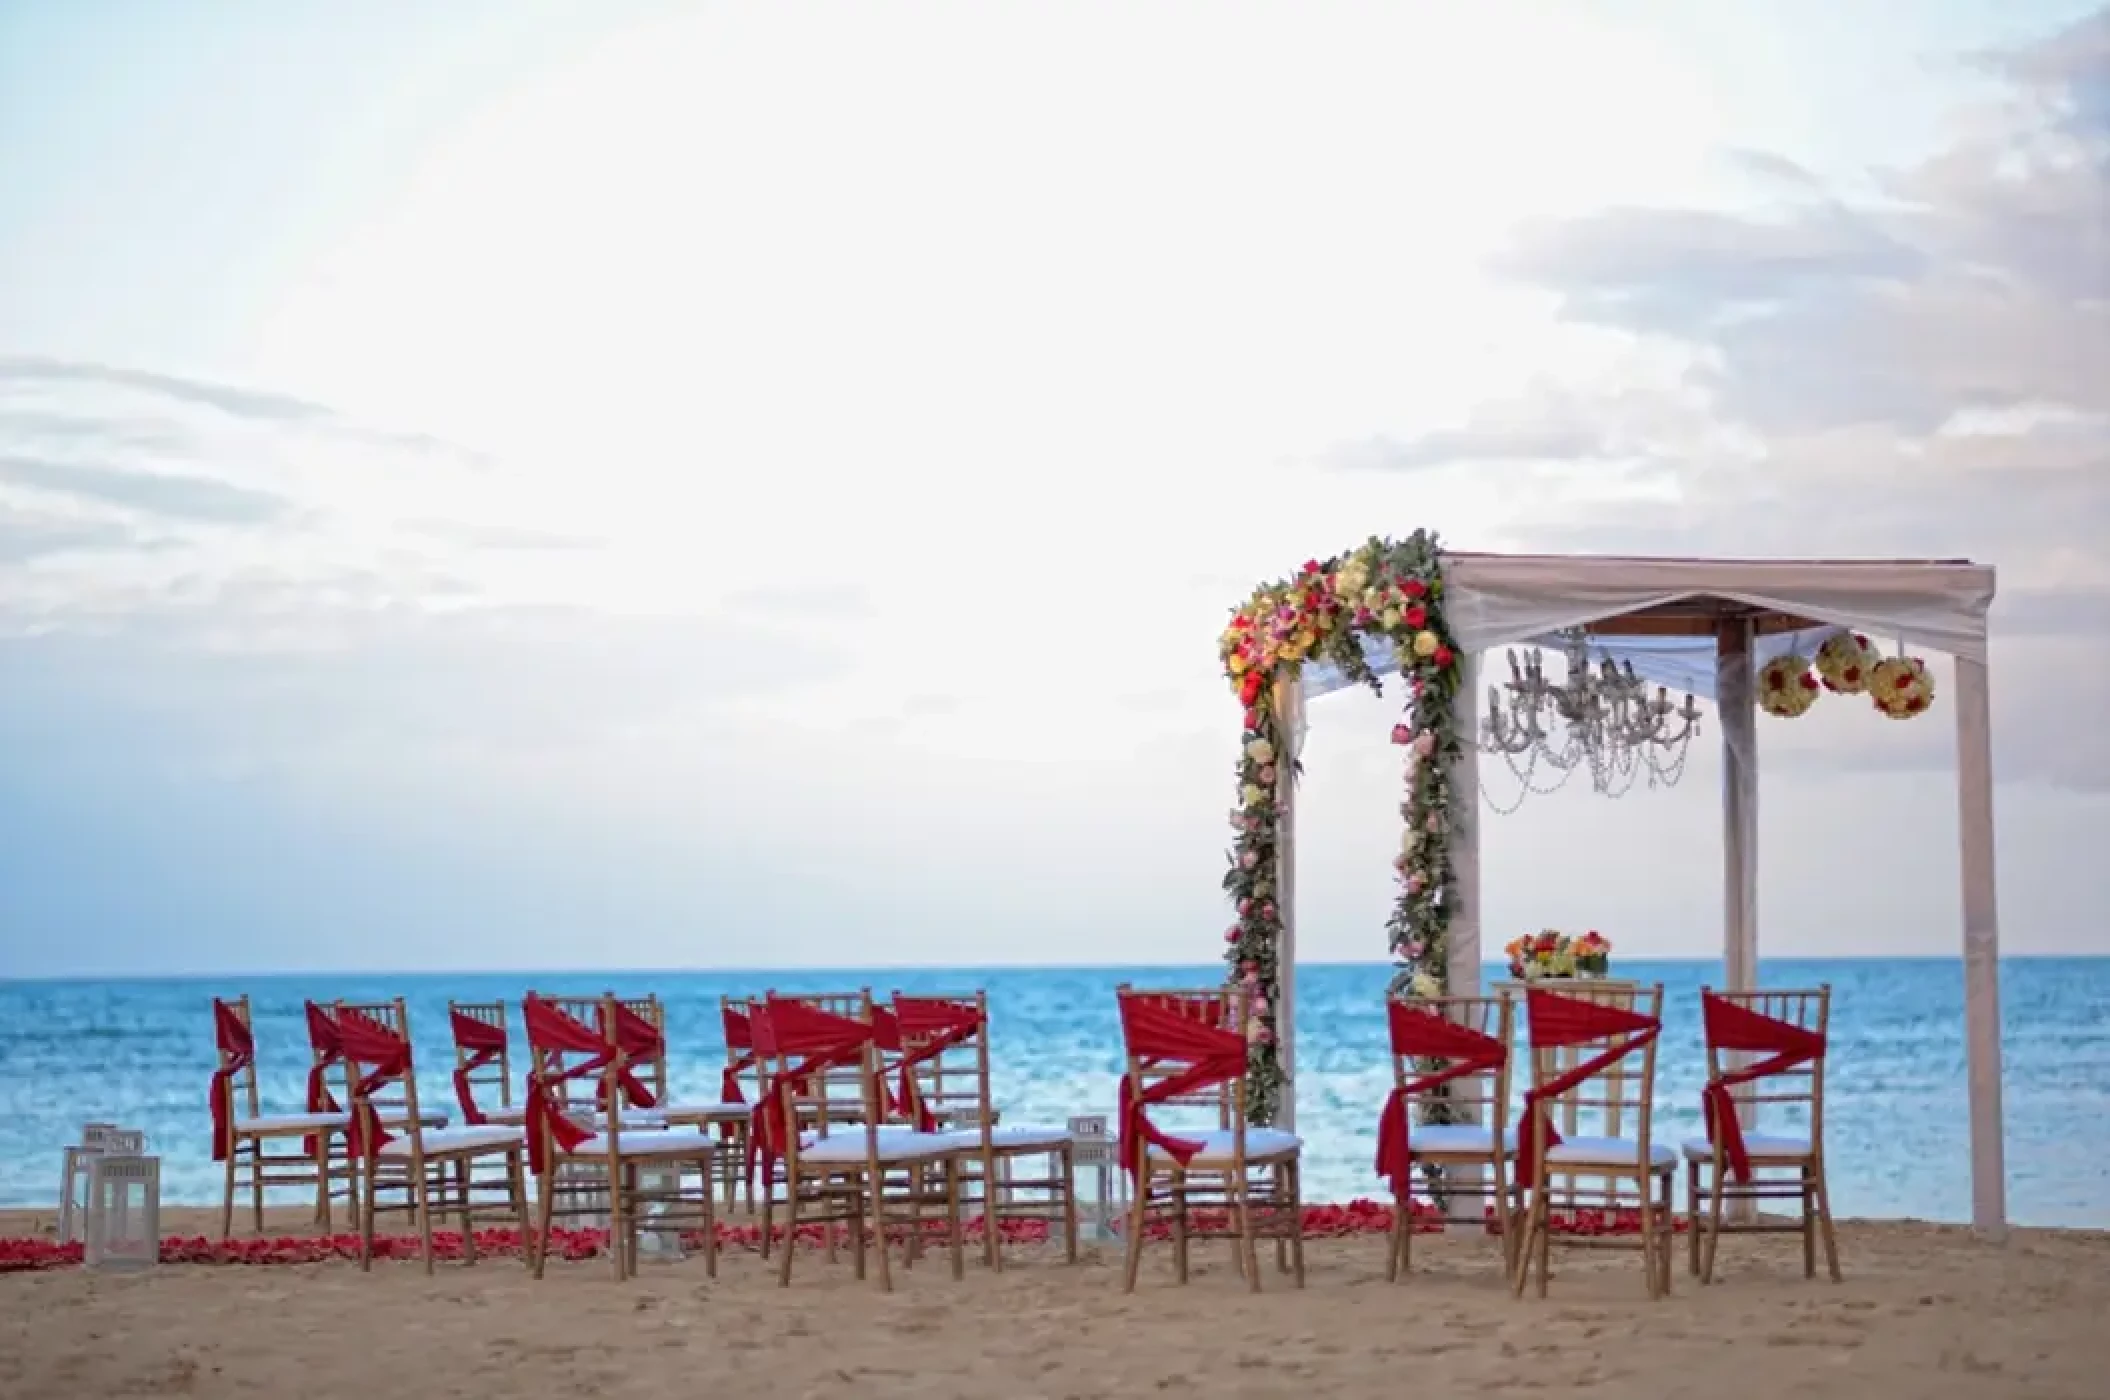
(1981, 944)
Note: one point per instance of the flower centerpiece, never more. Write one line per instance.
(1550, 954)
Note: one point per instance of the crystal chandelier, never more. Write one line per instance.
(1608, 724)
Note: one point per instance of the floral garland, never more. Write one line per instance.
(1388, 589)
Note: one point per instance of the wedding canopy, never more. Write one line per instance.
(1706, 625)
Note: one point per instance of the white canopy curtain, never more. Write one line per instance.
(1633, 607)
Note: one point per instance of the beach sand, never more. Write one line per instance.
(1926, 1312)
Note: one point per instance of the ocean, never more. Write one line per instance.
(141, 1053)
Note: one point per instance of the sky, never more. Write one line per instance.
(521, 484)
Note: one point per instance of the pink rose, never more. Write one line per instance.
(1425, 743)
(1402, 735)
(1415, 883)
(1231, 934)
(1267, 775)
(1245, 907)
(1249, 860)
(1267, 911)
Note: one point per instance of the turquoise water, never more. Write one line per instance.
(141, 1052)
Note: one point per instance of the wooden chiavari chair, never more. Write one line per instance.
(1594, 1032)
(942, 1080)
(435, 1169)
(647, 1170)
(840, 1179)
(1191, 1047)
(1781, 1036)
(1450, 1054)
(244, 1137)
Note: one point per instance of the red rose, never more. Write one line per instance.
(1311, 566)
(1414, 588)
(1249, 688)
(1850, 674)
(1809, 682)
(1441, 656)
(1402, 735)
(1252, 720)
(1415, 616)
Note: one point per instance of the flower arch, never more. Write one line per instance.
(1390, 589)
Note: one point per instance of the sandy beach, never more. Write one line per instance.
(1925, 1312)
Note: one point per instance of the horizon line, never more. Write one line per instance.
(896, 968)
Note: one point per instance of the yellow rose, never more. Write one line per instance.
(1253, 794)
(1391, 618)
(1260, 751)
(1372, 599)
(1426, 986)
(1425, 644)
(1238, 664)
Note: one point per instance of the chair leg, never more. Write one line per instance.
(234, 1152)
(256, 1186)
(1135, 1231)
(1068, 1161)
(367, 1212)
(545, 1215)
(1692, 1218)
(1294, 1178)
(1824, 1221)
(1718, 1184)
(791, 1233)
(955, 1236)
(421, 1188)
(875, 1194)
(1651, 1240)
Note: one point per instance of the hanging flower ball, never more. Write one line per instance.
(1786, 688)
(1901, 687)
(1844, 661)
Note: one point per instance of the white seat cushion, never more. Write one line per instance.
(651, 1142)
(1760, 1147)
(1607, 1152)
(436, 1141)
(895, 1145)
(1461, 1139)
(511, 1113)
(705, 1112)
(1217, 1146)
(1015, 1138)
(394, 1117)
(291, 1122)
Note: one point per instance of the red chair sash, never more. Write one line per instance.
(821, 1040)
(641, 1043)
(740, 1052)
(1558, 1021)
(237, 1051)
(385, 1056)
(328, 1048)
(1731, 1026)
(484, 1044)
(1157, 1032)
(1419, 1033)
(550, 1031)
(933, 1025)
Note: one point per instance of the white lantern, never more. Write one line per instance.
(1095, 1150)
(124, 1211)
(96, 1139)
(657, 1185)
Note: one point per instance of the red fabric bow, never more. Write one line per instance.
(927, 1028)
(822, 1041)
(1730, 1025)
(641, 1043)
(552, 1034)
(1557, 1021)
(485, 1044)
(1157, 1032)
(329, 1051)
(1423, 1034)
(237, 1048)
(386, 1056)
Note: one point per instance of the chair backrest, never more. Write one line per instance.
(1620, 1097)
(650, 1070)
(792, 1032)
(1610, 1093)
(566, 1036)
(838, 1087)
(1417, 1055)
(1799, 1086)
(742, 1076)
(483, 1061)
(1218, 1008)
(234, 1037)
(390, 1094)
(945, 1043)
